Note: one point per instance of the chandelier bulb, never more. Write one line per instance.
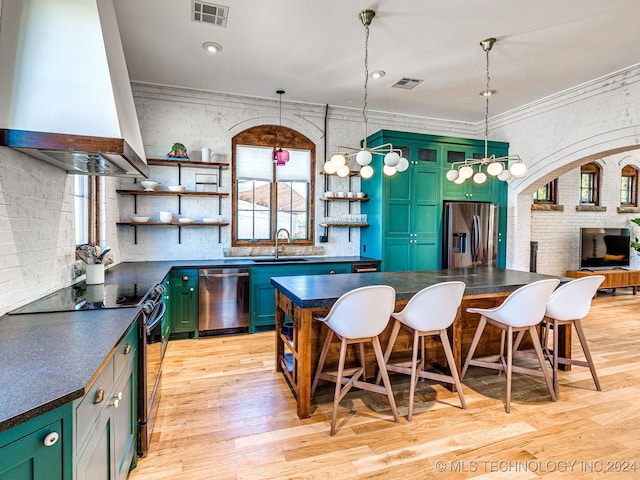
(479, 178)
(389, 171)
(465, 172)
(504, 175)
(366, 171)
(391, 159)
(403, 164)
(518, 169)
(338, 159)
(494, 168)
(453, 175)
(364, 157)
(343, 171)
(329, 168)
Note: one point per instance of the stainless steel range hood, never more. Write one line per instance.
(65, 95)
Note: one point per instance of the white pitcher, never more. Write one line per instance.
(207, 154)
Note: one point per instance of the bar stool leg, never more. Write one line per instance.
(538, 348)
(323, 358)
(387, 354)
(587, 353)
(448, 353)
(509, 364)
(339, 392)
(414, 368)
(382, 366)
(474, 345)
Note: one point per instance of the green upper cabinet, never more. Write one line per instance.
(405, 211)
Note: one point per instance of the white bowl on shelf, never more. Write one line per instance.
(185, 220)
(149, 185)
(139, 219)
(166, 217)
(176, 188)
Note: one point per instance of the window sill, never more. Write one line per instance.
(590, 208)
(547, 207)
(628, 209)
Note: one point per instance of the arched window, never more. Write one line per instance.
(629, 187)
(547, 194)
(267, 197)
(590, 184)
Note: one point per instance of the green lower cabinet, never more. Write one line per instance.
(106, 418)
(414, 253)
(262, 297)
(40, 449)
(183, 292)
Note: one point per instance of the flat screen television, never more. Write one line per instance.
(604, 248)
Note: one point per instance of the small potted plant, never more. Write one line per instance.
(178, 151)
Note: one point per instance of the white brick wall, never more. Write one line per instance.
(553, 136)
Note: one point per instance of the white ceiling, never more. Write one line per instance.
(314, 49)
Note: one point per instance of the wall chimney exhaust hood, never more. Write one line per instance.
(65, 94)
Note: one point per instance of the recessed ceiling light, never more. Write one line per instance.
(212, 47)
(378, 74)
(488, 93)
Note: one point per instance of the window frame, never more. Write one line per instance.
(552, 194)
(270, 136)
(94, 210)
(629, 171)
(593, 171)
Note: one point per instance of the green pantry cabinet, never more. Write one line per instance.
(405, 211)
(262, 301)
(93, 437)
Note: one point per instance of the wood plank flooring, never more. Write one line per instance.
(226, 414)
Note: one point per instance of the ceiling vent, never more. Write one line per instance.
(209, 13)
(407, 83)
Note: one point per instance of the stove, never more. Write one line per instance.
(88, 297)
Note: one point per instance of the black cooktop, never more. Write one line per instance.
(88, 297)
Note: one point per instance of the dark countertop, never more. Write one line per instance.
(48, 359)
(323, 290)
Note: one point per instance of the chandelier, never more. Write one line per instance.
(393, 159)
(502, 167)
(280, 156)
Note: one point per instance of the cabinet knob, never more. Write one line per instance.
(185, 278)
(115, 403)
(127, 349)
(331, 272)
(99, 396)
(192, 289)
(51, 439)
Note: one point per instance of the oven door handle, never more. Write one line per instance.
(156, 317)
(224, 275)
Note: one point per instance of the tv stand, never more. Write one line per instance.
(614, 278)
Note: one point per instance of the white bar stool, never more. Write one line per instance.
(520, 312)
(357, 317)
(429, 312)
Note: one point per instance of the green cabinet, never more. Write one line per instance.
(183, 292)
(39, 449)
(405, 211)
(106, 418)
(262, 296)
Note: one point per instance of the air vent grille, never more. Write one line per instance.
(210, 13)
(407, 83)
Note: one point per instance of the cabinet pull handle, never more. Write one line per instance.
(99, 396)
(127, 349)
(51, 439)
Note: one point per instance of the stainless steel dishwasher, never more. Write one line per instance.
(223, 300)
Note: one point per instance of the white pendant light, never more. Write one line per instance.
(391, 159)
(479, 178)
(329, 168)
(452, 175)
(403, 164)
(364, 157)
(494, 168)
(459, 181)
(343, 171)
(338, 159)
(389, 171)
(366, 171)
(465, 172)
(518, 169)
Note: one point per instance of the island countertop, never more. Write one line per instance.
(323, 290)
(303, 297)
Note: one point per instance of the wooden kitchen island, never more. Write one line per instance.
(301, 298)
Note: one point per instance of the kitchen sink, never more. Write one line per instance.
(280, 260)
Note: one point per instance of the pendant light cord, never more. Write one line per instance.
(366, 82)
(487, 94)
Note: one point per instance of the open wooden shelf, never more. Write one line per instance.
(186, 163)
(175, 194)
(343, 199)
(174, 224)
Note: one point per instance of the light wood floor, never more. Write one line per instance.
(226, 414)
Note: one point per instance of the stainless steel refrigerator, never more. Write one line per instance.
(470, 235)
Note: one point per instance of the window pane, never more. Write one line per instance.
(626, 190)
(254, 207)
(292, 208)
(298, 167)
(81, 197)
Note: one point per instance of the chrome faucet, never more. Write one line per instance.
(281, 248)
